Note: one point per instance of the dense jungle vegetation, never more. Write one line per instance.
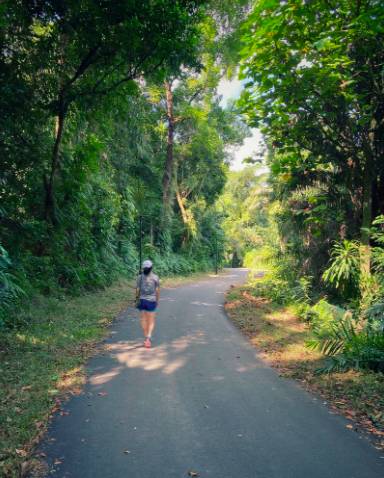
(111, 129)
(314, 85)
(113, 134)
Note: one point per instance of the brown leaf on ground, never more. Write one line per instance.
(352, 413)
(25, 468)
(36, 469)
(21, 452)
(257, 301)
(193, 473)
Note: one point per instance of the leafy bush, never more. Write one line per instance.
(257, 259)
(374, 315)
(346, 347)
(323, 317)
(176, 264)
(344, 271)
(10, 291)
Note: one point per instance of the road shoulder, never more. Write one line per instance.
(280, 338)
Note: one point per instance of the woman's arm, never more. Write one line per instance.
(138, 287)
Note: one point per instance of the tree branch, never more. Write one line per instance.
(84, 65)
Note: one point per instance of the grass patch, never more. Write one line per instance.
(44, 360)
(280, 338)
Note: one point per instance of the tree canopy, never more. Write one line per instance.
(112, 136)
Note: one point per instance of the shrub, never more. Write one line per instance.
(10, 291)
(347, 346)
(344, 270)
(323, 317)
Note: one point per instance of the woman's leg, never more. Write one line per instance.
(144, 322)
(151, 323)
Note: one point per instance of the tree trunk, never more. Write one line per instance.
(365, 251)
(151, 234)
(366, 222)
(169, 164)
(183, 211)
(49, 183)
(165, 233)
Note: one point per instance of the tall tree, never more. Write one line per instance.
(314, 86)
(83, 51)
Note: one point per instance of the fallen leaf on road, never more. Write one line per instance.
(193, 473)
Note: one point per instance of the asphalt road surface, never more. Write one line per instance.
(200, 401)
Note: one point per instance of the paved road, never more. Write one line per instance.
(201, 401)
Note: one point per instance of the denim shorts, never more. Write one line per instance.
(148, 305)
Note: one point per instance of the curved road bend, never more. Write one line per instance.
(199, 401)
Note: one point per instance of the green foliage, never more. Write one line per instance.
(374, 315)
(323, 316)
(344, 271)
(83, 141)
(348, 347)
(10, 291)
(312, 86)
(243, 205)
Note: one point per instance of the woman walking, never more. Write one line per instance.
(147, 295)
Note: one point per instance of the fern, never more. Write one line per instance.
(345, 266)
(10, 291)
(348, 347)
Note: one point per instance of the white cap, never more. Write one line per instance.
(147, 264)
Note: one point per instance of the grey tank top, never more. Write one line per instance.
(147, 286)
